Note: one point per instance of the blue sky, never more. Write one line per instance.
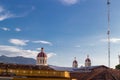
(65, 28)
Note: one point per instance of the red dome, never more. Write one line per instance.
(75, 61)
(41, 54)
(87, 60)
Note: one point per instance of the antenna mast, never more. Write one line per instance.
(108, 32)
(119, 58)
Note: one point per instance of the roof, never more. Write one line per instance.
(41, 54)
(62, 68)
(89, 68)
(20, 66)
(101, 74)
(80, 69)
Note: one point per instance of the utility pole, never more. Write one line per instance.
(108, 32)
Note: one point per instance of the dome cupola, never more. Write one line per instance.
(41, 58)
(88, 59)
(42, 54)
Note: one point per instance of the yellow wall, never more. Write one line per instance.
(40, 79)
(38, 73)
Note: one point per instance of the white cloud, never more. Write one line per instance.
(49, 55)
(5, 28)
(5, 14)
(113, 40)
(43, 42)
(69, 2)
(38, 49)
(18, 42)
(14, 51)
(8, 29)
(77, 46)
(17, 29)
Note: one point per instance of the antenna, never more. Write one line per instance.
(119, 58)
(108, 32)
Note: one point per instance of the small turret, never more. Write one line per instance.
(87, 61)
(75, 63)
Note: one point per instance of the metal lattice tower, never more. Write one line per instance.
(119, 58)
(108, 32)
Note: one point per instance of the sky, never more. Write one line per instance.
(65, 28)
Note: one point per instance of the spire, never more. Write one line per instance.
(88, 56)
(108, 2)
(75, 58)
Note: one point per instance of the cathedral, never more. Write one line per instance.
(43, 71)
(86, 72)
(41, 59)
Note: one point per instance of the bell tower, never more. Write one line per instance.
(75, 63)
(87, 61)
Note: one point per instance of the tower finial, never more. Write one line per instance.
(87, 55)
(75, 58)
(108, 2)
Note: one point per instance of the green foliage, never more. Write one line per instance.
(117, 66)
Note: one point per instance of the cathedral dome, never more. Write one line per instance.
(87, 60)
(75, 62)
(42, 54)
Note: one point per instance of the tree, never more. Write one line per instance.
(117, 66)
